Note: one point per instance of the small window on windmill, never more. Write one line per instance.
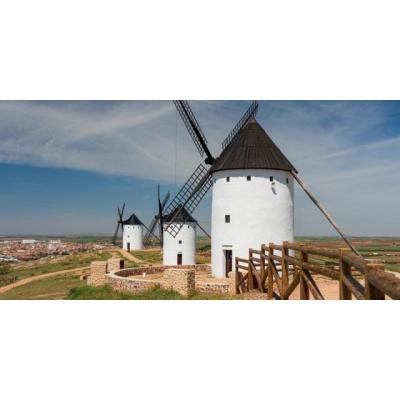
(249, 178)
(227, 219)
(180, 242)
(287, 180)
(271, 178)
(228, 178)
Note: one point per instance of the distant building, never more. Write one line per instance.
(29, 241)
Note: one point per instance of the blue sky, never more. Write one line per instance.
(65, 166)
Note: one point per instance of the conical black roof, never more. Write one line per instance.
(182, 216)
(252, 148)
(133, 220)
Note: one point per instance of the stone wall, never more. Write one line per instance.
(139, 271)
(130, 285)
(179, 279)
(98, 270)
(212, 287)
(115, 264)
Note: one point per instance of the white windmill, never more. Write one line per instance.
(179, 249)
(252, 197)
(132, 231)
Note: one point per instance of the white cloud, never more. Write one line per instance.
(345, 151)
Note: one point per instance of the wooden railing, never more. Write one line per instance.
(279, 269)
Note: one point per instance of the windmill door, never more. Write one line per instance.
(179, 260)
(228, 261)
(129, 246)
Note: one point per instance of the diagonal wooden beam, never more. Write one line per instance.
(292, 286)
(312, 285)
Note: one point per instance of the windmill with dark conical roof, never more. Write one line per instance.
(252, 198)
(132, 230)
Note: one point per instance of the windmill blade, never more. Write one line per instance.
(186, 190)
(150, 230)
(189, 197)
(150, 235)
(250, 113)
(165, 200)
(116, 234)
(194, 129)
(121, 217)
(160, 216)
(204, 231)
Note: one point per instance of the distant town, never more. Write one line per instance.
(26, 249)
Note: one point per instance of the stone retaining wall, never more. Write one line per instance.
(98, 270)
(115, 264)
(123, 284)
(212, 287)
(180, 280)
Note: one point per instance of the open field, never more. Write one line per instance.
(386, 249)
(58, 287)
(46, 265)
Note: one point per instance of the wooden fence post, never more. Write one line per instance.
(237, 290)
(270, 283)
(371, 292)
(344, 270)
(304, 291)
(262, 266)
(285, 267)
(250, 277)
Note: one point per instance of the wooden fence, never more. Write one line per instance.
(278, 269)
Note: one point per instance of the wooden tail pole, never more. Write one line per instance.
(322, 209)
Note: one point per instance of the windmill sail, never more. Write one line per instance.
(250, 113)
(194, 129)
(120, 223)
(157, 220)
(189, 197)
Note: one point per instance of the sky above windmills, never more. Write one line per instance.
(66, 165)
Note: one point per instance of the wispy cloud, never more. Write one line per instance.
(348, 152)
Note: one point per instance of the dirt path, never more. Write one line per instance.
(39, 277)
(131, 257)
